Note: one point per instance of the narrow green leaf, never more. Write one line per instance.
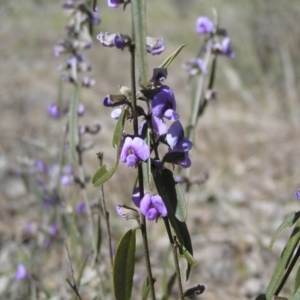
(296, 296)
(139, 26)
(73, 124)
(283, 262)
(171, 193)
(297, 281)
(164, 182)
(145, 289)
(117, 137)
(169, 59)
(123, 268)
(289, 221)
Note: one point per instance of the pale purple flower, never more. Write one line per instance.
(54, 111)
(80, 207)
(88, 82)
(155, 46)
(297, 194)
(159, 125)
(30, 228)
(204, 25)
(40, 165)
(53, 230)
(66, 179)
(21, 272)
(134, 150)
(195, 66)
(226, 47)
(80, 109)
(151, 206)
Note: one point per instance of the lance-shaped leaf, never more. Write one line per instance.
(296, 296)
(167, 189)
(139, 26)
(145, 289)
(284, 260)
(289, 221)
(123, 269)
(104, 174)
(168, 61)
(297, 281)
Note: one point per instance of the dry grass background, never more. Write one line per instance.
(248, 141)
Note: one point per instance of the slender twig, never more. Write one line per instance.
(106, 214)
(174, 244)
(72, 285)
(140, 172)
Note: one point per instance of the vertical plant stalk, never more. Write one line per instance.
(197, 100)
(175, 254)
(140, 171)
(106, 214)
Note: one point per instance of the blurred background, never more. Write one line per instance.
(247, 141)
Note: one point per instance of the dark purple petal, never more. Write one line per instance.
(107, 102)
(186, 163)
(145, 204)
(159, 205)
(162, 101)
(204, 25)
(140, 148)
(175, 133)
(119, 42)
(183, 145)
(114, 3)
(136, 197)
(152, 214)
(125, 149)
(21, 272)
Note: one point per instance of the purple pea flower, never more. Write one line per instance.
(204, 25)
(226, 47)
(21, 272)
(54, 111)
(297, 194)
(80, 207)
(120, 43)
(80, 109)
(53, 230)
(178, 143)
(114, 3)
(66, 179)
(133, 150)
(164, 104)
(40, 165)
(155, 46)
(151, 206)
(195, 66)
(176, 139)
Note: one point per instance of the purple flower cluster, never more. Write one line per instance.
(151, 205)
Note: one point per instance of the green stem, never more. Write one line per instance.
(175, 254)
(140, 171)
